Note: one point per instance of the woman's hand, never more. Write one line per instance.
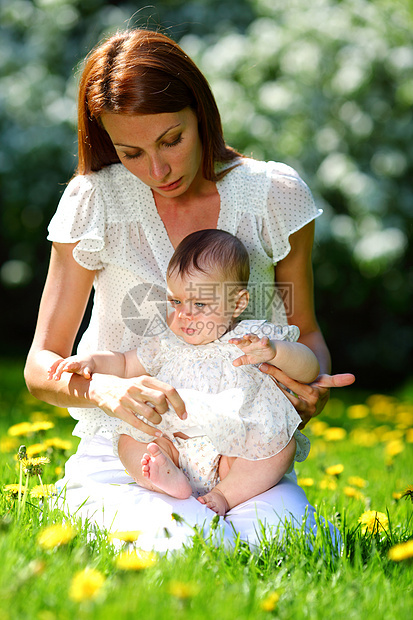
(143, 396)
(309, 400)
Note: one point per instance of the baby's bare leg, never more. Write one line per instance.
(241, 479)
(154, 466)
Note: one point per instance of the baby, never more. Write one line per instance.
(240, 436)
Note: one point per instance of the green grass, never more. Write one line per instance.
(206, 581)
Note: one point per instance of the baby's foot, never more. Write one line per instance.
(215, 500)
(164, 474)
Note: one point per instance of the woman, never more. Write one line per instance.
(154, 167)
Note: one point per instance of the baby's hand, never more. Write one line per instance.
(256, 350)
(75, 364)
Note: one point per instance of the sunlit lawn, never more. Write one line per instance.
(360, 464)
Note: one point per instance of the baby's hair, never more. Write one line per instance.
(211, 251)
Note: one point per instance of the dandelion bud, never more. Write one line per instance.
(22, 453)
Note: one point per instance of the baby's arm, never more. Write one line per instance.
(124, 365)
(293, 358)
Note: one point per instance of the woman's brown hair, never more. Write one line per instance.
(144, 72)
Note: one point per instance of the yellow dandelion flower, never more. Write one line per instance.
(396, 495)
(357, 412)
(21, 429)
(363, 437)
(86, 585)
(43, 490)
(38, 416)
(42, 425)
(373, 521)
(409, 435)
(380, 399)
(394, 435)
(58, 470)
(374, 398)
(129, 536)
(379, 431)
(405, 406)
(36, 448)
(335, 470)
(35, 460)
(270, 602)
(12, 490)
(405, 418)
(384, 409)
(58, 444)
(402, 551)
(56, 535)
(335, 433)
(8, 444)
(182, 589)
(34, 466)
(135, 560)
(356, 481)
(318, 427)
(394, 447)
(328, 484)
(352, 492)
(305, 482)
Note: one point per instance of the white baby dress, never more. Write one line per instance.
(240, 409)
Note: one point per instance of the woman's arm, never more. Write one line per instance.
(63, 304)
(296, 270)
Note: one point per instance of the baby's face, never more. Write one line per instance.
(200, 307)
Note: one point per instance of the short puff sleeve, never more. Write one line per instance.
(148, 352)
(290, 206)
(80, 218)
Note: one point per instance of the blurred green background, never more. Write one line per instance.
(325, 86)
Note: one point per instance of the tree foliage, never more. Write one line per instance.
(326, 87)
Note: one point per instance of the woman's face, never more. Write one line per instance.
(163, 150)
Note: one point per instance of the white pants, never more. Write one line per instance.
(96, 487)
